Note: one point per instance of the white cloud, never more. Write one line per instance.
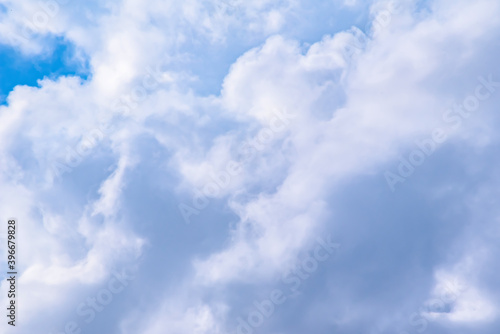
(351, 116)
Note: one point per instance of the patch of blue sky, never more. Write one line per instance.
(210, 62)
(17, 68)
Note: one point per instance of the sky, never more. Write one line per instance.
(240, 167)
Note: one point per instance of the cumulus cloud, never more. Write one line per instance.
(293, 129)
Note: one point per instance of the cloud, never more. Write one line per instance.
(306, 124)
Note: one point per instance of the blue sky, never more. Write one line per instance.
(21, 69)
(247, 167)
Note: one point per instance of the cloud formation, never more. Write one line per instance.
(214, 142)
